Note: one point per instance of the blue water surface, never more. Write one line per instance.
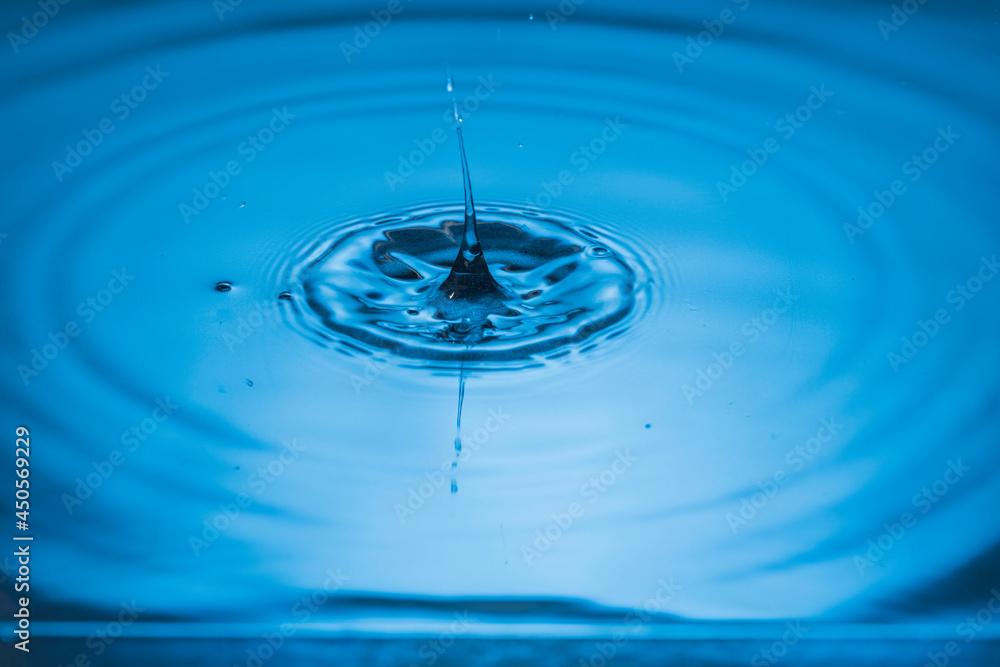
(783, 447)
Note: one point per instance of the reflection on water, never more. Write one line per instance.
(747, 248)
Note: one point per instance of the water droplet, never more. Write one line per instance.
(520, 145)
(242, 204)
(285, 296)
(531, 17)
(470, 318)
(223, 286)
(649, 425)
(248, 381)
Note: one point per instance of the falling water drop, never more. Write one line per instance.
(458, 430)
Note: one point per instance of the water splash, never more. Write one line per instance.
(469, 289)
(470, 292)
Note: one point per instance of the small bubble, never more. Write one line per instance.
(649, 425)
(520, 144)
(411, 311)
(600, 251)
(242, 204)
(248, 381)
(374, 296)
(223, 286)
(285, 296)
(532, 294)
(531, 17)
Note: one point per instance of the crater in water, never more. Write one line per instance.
(389, 283)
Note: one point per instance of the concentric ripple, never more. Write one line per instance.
(656, 332)
(376, 283)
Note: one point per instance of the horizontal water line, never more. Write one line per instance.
(419, 628)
